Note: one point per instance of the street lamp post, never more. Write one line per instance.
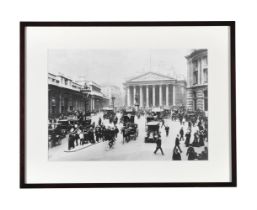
(97, 105)
(85, 91)
(113, 99)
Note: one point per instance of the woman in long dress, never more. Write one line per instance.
(191, 153)
(71, 141)
(176, 155)
(188, 136)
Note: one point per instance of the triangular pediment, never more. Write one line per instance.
(150, 76)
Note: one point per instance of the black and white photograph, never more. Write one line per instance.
(127, 104)
(147, 97)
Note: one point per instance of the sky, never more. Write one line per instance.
(114, 67)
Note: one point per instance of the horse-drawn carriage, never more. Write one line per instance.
(150, 118)
(130, 132)
(158, 113)
(55, 134)
(67, 124)
(130, 128)
(108, 113)
(175, 114)
(166, 113)
(152, 131)
(126, 113)
(86, 123)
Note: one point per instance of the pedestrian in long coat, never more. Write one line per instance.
(97, 133)
(91, 135)
(181, 132)
(204, 154)
(189, 125)
(177, 143)
(71, 141)
(196, 140)
(176, 155)
(167, 128)
(188, 136)
(191, 153)
(201, 139)
(158, 145)
(116, 131)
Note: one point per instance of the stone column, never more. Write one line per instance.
(160, 95)
(141, 96)
(174, 93)
(60, 103)
(167, 95)
(134, 95)
(91, 104)
(147, 96)
(153, 95)
(128, 96)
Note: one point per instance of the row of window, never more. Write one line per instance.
(201, 63)
(205, 95)
(204, 79)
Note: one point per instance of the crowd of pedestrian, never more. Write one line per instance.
(92, 134)
(195, 135)
(192, 139)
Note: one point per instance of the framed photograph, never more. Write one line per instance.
(127, 104)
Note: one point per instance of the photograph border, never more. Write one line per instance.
(23, 26)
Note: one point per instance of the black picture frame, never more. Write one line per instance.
(23, 25)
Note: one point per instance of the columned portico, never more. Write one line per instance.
(128, 96)
(160, 95)
(141, 96)
(153, 95)
(152, 90)
(147, 96)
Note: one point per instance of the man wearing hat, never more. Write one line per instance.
(188, 136)
(167, 128)
(177, 143)
(158, 144)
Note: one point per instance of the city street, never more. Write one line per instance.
(133, 150)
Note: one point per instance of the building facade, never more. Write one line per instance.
(112, 91)
(97, 99)
(66, 96)
(155, 90)
(197, 80)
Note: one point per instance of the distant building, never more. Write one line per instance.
(113, 91)
(96, 98)
(155, 90)
(197, 80)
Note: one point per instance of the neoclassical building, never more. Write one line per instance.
(113, 91)
(197, 80)
(155, 90)
(65, 96)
